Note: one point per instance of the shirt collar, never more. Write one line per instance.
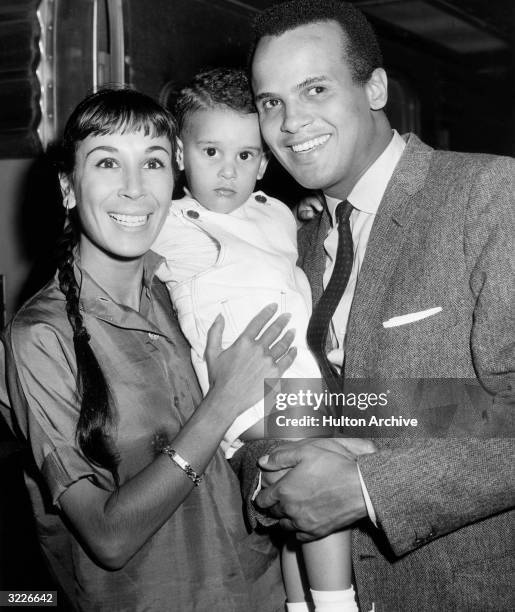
(368, 192)
(95, 298)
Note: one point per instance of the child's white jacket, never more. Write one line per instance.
(234, 264)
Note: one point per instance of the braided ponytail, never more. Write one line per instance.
(108, 111)
(96, 417)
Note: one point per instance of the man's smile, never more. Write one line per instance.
(310, 145)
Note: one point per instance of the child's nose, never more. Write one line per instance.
(228, 170)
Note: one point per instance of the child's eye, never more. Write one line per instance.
(107, 162)
(244, 155)
(271, 104)
(314, 91)
(210, 151)
(154, 164)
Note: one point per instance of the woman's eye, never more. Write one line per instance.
(107, 163)
(210, 151)
(154, 164)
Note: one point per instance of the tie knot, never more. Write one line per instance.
(343, 211)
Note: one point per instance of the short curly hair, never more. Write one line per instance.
(221, 87)
(360, 44)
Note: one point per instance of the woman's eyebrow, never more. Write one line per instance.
(157, 148)
(109, 149)
(102, 148)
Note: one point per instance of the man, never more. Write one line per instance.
(427, 296)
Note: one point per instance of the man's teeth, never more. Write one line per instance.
(129, 220)
(310, 144)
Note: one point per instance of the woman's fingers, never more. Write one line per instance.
(256, 325)
(214, 339)
(280, 348)
(273, 331)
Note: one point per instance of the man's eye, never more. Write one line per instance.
(154, 164)
(210, 151)
(107, 163)
(314, 91)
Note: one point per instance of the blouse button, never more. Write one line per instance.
(192, 214)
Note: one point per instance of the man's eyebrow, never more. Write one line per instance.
(312, 81)
(306, 83)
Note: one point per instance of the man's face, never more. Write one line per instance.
(322, 126)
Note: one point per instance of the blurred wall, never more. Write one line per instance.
(14, 263)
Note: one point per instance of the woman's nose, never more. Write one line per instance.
(132, 186)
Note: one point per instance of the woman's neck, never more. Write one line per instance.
(122, 279)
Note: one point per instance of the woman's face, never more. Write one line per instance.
(122, 186)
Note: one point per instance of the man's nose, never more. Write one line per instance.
(295, 117)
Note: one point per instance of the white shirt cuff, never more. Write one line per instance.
(258, 487)
(368, 502)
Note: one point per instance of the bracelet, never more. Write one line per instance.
(183, 464)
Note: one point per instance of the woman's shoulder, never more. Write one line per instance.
(41, 315)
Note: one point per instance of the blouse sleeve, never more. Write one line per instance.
(41, 378)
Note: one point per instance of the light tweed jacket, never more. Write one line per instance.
(442, 237)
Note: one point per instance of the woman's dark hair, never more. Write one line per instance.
(107, 111)
(359, 42)
(217, 88)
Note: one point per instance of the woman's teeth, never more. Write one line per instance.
(310, 144)
(129, 220)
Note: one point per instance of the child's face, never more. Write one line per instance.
(222, 157)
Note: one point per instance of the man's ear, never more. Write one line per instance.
(179, 154)
(265, 157)
(67, 191)
(377, 89)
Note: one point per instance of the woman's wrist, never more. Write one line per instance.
(225, 405)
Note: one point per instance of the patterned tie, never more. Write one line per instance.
(318, 327)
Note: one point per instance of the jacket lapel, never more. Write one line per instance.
(393, 223)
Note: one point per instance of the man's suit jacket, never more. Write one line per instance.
(442, 237)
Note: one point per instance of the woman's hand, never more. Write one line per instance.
(237, 373)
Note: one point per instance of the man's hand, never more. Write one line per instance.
(321, 491)
(311, 205)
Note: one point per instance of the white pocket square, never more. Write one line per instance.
(411, 317)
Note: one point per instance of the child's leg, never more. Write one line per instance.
(329, 570)
(294, 577)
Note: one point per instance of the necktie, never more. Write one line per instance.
(318, 327)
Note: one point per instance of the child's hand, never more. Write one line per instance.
(310, 206)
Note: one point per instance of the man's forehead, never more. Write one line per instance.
(299, 56)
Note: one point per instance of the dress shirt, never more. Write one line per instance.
(365, 197)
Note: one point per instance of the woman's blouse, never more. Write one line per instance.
(202, 558)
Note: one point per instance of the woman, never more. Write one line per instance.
(102, 388)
